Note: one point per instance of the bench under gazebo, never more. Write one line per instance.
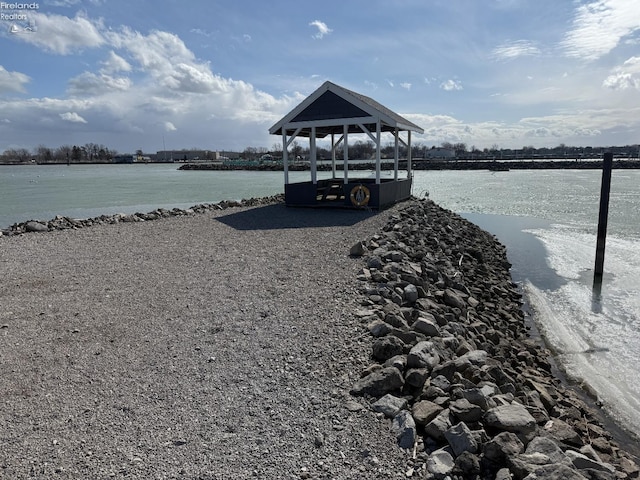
(335, 112)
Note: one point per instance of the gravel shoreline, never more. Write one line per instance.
(226, 345)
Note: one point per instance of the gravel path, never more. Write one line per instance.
(214, 346)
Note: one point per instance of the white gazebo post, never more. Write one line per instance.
(409, 154)
(333, 156)
(285, 156)
(312, 148)
(346, 154)
(378, 153)
(396, 154)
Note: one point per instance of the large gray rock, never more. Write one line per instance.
(474, 357)
(416, 377)
(511, 418)
(379, 382)
(358, 249)
(390, 405)
(454, 298)
(465, 410)
(440, 424)
(440, 464)
(404, 428)
(479, 397)
(396, 320)
(425, 411)
(427, 326)
(410, 294)
(561, 431)
(378, 328)
(547, 447)
(503, 445)
(387, 347)
(524, 464)
(461, 439)
(582, 462)
(34, 226)
(552, 471)
(423, 355)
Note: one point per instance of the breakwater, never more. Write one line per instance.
(429, 165)
(61, 222)
(454, 367)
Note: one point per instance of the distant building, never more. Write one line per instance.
(187, 155)
(440, 153)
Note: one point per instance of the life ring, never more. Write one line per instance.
(360, 196)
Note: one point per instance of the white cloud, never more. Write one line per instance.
(115, 63)
(167, 59)
(322, 27)
(518, 48)
(89, 83)
(63, 35)
(200, 31)
(169, 127)
(451, 85)
(72, 117)
(625, 76)
(12, 81)
(599, 26)
(406, 85)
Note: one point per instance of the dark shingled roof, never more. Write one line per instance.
(333, 102)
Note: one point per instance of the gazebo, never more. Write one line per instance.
(337, 112)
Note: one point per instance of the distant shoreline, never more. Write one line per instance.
(436, 165)
(324, 165)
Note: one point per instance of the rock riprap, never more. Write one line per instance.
(456, 370)
(61, 222)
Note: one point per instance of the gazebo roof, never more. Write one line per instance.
(331, 107)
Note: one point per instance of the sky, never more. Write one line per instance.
(216, 74)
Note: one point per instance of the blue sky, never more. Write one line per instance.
(217, 74)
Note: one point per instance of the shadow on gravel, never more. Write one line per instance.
(274, 217)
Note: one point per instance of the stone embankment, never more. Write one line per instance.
(455, 370)
(65, 223)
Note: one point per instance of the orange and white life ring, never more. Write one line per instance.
(360, 196)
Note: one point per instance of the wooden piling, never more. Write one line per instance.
(605, 190)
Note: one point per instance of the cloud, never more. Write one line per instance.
(512, 50)
(599, 26)
(200, 31)
(115, 63)
(625, 76)
(167, 59)
(72, 117)
(406, 85)
(169, 82)
(89, 83)
(451, 85)
(12, 81)
(63, 35)
(322, 27)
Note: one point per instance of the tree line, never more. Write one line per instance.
(87, 153)
(98, 153)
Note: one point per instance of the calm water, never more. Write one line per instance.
(547, 219)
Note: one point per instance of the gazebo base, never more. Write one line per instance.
(358, 193)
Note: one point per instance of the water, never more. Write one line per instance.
(547, 219)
